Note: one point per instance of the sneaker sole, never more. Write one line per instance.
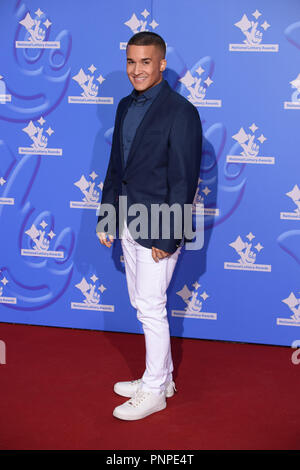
(133, 418)
(129, 395)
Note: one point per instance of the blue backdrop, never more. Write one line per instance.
(62, 74)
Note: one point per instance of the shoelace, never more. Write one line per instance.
(137, 398)
(139, 380)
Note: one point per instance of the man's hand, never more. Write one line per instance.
(159, 254)
(103, 239)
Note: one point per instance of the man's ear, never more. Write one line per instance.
(163, 64)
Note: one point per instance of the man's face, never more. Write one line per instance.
(145, 65)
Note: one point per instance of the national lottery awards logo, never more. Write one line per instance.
(39, 140)
(253, 31)
(197, 88)
(137, 25)
(92, 294)
(294, 305)
(200, 203)
(295, 98)
(194, 300)
(35, 27)
(5, 200)
(40, 242)
(90, 195)
(247, 255)
(3, 298)
(4, 97)
(294, 195)
(89, 94)
(250, 145)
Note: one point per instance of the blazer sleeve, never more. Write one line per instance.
(184, 159)
(110, 186)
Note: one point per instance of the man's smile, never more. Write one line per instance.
(139, 79)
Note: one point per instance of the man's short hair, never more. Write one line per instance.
(147, 38)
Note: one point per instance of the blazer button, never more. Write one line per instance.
(124, 181)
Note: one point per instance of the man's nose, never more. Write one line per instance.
(137, 68)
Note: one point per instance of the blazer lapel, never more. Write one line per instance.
(154, 107)
(123, 114)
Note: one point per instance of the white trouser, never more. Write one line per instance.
(147, 283)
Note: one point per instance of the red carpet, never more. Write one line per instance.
(57, 393)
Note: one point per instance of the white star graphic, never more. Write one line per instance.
(133, 23)
(92, 68)
(296, 83)
(294, 194)
(291, 300)
(43, 224)
(199, 70)
(49, 131)
(102, 288)
(206, 191)
(204, 295)
(265, 25)
(2, 181)
(145, 13)
(4, 281)
(253, 128)
(39, 12)
(100, 79)
(259, 247)
(196, 285)
(250, 236)
(153, 24)
(51, 234)
(47, 23)
(208, 81)
(94, 278)
(262, 138)
(93, 175)
(256, 14)
(41, 121)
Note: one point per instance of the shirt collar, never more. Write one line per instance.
(149, 94)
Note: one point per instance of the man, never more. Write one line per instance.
(155, 159)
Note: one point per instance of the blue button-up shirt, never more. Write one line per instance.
(135, 113)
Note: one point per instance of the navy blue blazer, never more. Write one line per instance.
(163, 163)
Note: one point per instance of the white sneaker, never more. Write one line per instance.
(139, 406)
(127, 389)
